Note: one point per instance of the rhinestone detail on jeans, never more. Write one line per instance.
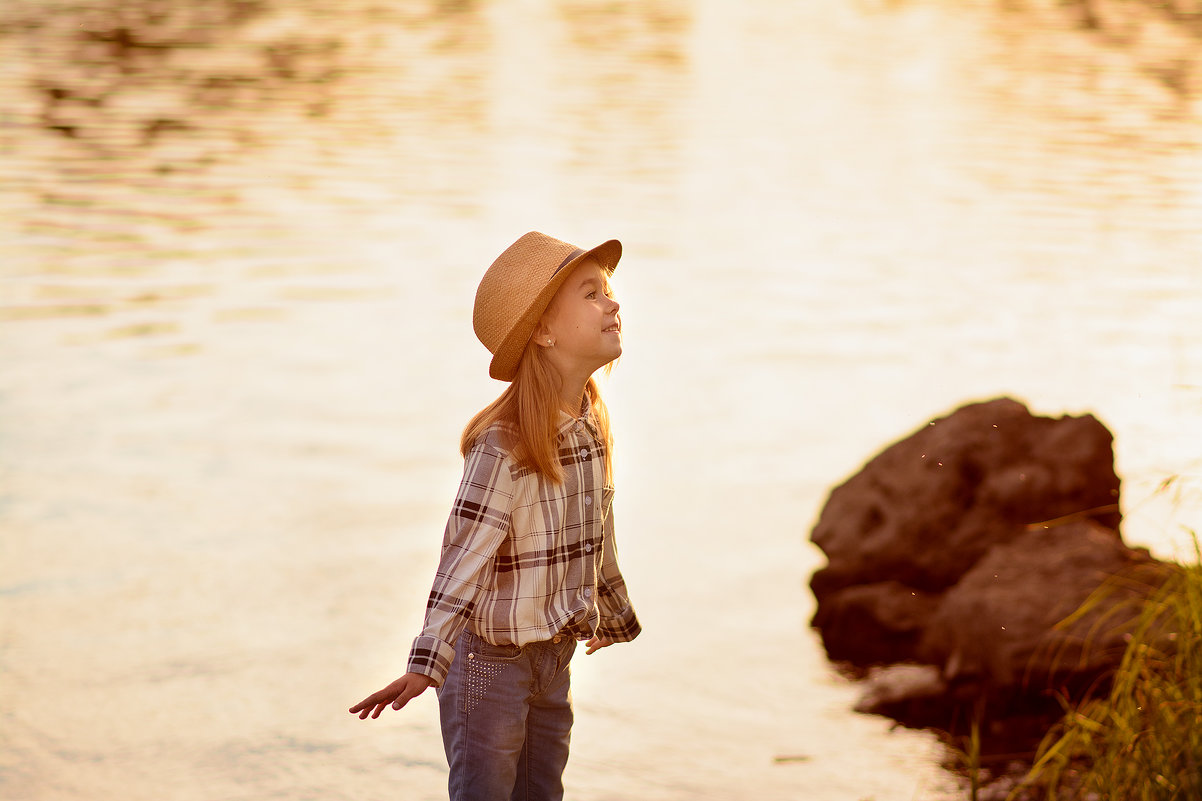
(480, 673)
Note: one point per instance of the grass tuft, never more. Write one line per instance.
(1143, 742)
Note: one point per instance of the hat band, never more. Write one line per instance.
(571, 256)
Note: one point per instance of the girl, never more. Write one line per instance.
(528, 565)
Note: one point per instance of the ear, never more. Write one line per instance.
(542, 335)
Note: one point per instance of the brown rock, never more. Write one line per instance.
(875, 623)
(925, 509)
(929, 507)
(964, 547)
(998, 626)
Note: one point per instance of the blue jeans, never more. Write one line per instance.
(507, 719)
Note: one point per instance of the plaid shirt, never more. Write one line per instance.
(523, 558)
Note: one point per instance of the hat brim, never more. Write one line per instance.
(505, 360)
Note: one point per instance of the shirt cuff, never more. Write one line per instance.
(431, 657)
(623, 628)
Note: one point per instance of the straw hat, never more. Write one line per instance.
(516, 289)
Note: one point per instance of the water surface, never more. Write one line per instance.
(239, 246)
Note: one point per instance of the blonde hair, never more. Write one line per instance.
(530, 406)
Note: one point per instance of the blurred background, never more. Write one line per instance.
(239, 243)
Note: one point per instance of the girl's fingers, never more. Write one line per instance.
(596, 643)
(364, 707)
(399, 693)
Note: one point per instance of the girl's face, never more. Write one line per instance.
(582, 321)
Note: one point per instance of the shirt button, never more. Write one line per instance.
(584, 453)
(588, 500)
(588, 591)
(588, 547)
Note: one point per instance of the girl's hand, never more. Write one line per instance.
(399, 693)
(596, 644)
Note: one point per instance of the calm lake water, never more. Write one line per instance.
(239, 244)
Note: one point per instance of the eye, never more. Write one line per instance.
(591, 295)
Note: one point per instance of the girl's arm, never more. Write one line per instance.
(479, 521)
(618, 620)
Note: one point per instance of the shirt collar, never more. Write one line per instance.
(567, 422)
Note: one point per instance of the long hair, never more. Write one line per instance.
(530, 406)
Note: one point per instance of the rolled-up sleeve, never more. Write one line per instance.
(618, 620)
(480, 520)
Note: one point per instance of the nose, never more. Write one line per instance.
(616, 306)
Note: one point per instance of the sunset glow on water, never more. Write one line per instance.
(238, 250)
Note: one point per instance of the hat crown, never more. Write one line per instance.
(514, 282)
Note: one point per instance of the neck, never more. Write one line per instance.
(572, 398)
(572, 379)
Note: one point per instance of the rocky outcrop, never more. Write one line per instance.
(1005, 623)
(965, 545)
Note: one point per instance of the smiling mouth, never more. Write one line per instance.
(613, 329)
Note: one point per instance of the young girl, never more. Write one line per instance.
(528, 565)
